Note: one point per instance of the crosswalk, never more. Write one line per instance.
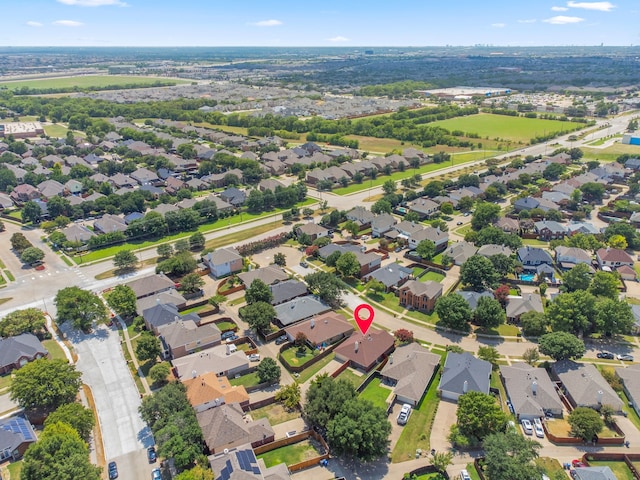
(50, 273)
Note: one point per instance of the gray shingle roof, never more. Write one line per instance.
(287, 290)
(583, 382)
(391, 275)
(12, 349)
(461, 368)
(269, 275)
(412, 367)
(299, 309)
(519, 381)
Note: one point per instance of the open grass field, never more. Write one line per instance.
(515, 129)
(275, 413)
(86, 81)
(290, 455)
(224, 128)
(55, 130)
(376, 393)
(609, 154)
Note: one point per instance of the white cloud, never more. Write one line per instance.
(563, 20)
(338, 39)
(68, 23)
(600, 6)
(267, 23)
(528, 20)
(31, 23)
(498, 25)
(93, 3)
(559, 9)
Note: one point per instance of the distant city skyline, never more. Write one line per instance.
(331, 23)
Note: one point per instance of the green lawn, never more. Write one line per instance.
(247, 380)
(224, 128)
(296, 360)
(515, 129)
(609, 153)
(550, 466)
(534, 242)
(395, 176)
(352, 377)
(504, 330)
(55, 130)
(275, 413)
(5, 381)
(376, 394)
(311, 372)
(415, 434)
(473, 473)
(289, 455)
(85, 81)
(226, 326)
(434, 276)
(55, 351)
(14, 470)
(389, 300)
(431, 318)
(620, 469)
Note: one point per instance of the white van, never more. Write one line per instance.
(464, 475)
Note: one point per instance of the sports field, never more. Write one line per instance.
(610, 153)
(86, 81)
(516, 129)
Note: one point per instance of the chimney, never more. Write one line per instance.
(369, 337)
(194, 374)
(599, 397)
(465, 387)
(356, 346)
(534, 388)
(313, 323)
(391, 359)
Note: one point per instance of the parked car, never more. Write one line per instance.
(526, 426)
(113, 470)
(403, 416)
(304, 264)
(151, 454)
(607, 355)
(254, 357)
(232, 338)
(464, 475)
(398, 249)
(155, 474)
(459, 223)
(537, 426)
(625, 357)
(466, 214)
(227, 335)
(281, 339)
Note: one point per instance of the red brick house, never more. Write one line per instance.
(420, 295)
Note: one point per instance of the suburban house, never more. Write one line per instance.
(325, 329)
(630, 377)
(549, 230)
(462, 373)
(182, 337)
(472, 297)
(269, 275)
(532, 257)
(491, 249)
(403, 231)
(234, 196)
(391, 275)
(381, 224)
(145, 176)
(210, 391)
(368, 261)
(460, 252)
(410, 370)
(51, 188)
(298, 309)
(312, 230)
(109, 224)
(241, 462)
(507, 225)
(76, 232)
(361, 216)
(437, 236)
(582, 227)
(162, 314)
(287, 290)
(593, 473)
(151, 285)
(16, 352)
(627, 273)
(16, 434)
(530, 390)
(584, 386)
(23, 193)
(217, 360)
(516, 306)
(613, 258)
(424, 207)
(420, 295)
(225, 427)
(569, 257)
(167, 297)
(364, 352)
(224, 261)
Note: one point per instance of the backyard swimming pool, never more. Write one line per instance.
(527, 277)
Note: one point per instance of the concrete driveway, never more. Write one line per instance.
(125, 436)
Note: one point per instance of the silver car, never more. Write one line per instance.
(403, 416)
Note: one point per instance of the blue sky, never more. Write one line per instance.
(318, 23)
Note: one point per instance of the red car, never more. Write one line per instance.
(577, 463)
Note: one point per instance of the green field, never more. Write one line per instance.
(516, 129)
(609, 154)
(289, 455)
(376, 394)
(88, 81)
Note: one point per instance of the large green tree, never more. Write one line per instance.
(19, 242)
(426, 249)
(258, 292)
(479, 415)
(561, 345)
(572, 312)
(76, 415)
(509, 456)
(268, 371)
(31, 255)
(454, 312)
(485, 214)
(81, 307)
(489, 313)
(191, 283)
(125, 260)
(45, 384)
(258, 315)
(27, 320)
(122, 299)
(578, 278)
(479, 273)
(614, 316)
(534, 323)
(326, 286)
(148, 347)
(198, 472)
(348, 264)
(585, 423)
(359, 430)
(59, 454)
(605, 284)
(325, 398)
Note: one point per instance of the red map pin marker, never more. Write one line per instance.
(363, 323)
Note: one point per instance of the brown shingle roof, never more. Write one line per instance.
(325, 326)
(209, 387)
(370, 347)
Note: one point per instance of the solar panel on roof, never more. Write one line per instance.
(256, 470)
(243, 461)
(251, 456)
